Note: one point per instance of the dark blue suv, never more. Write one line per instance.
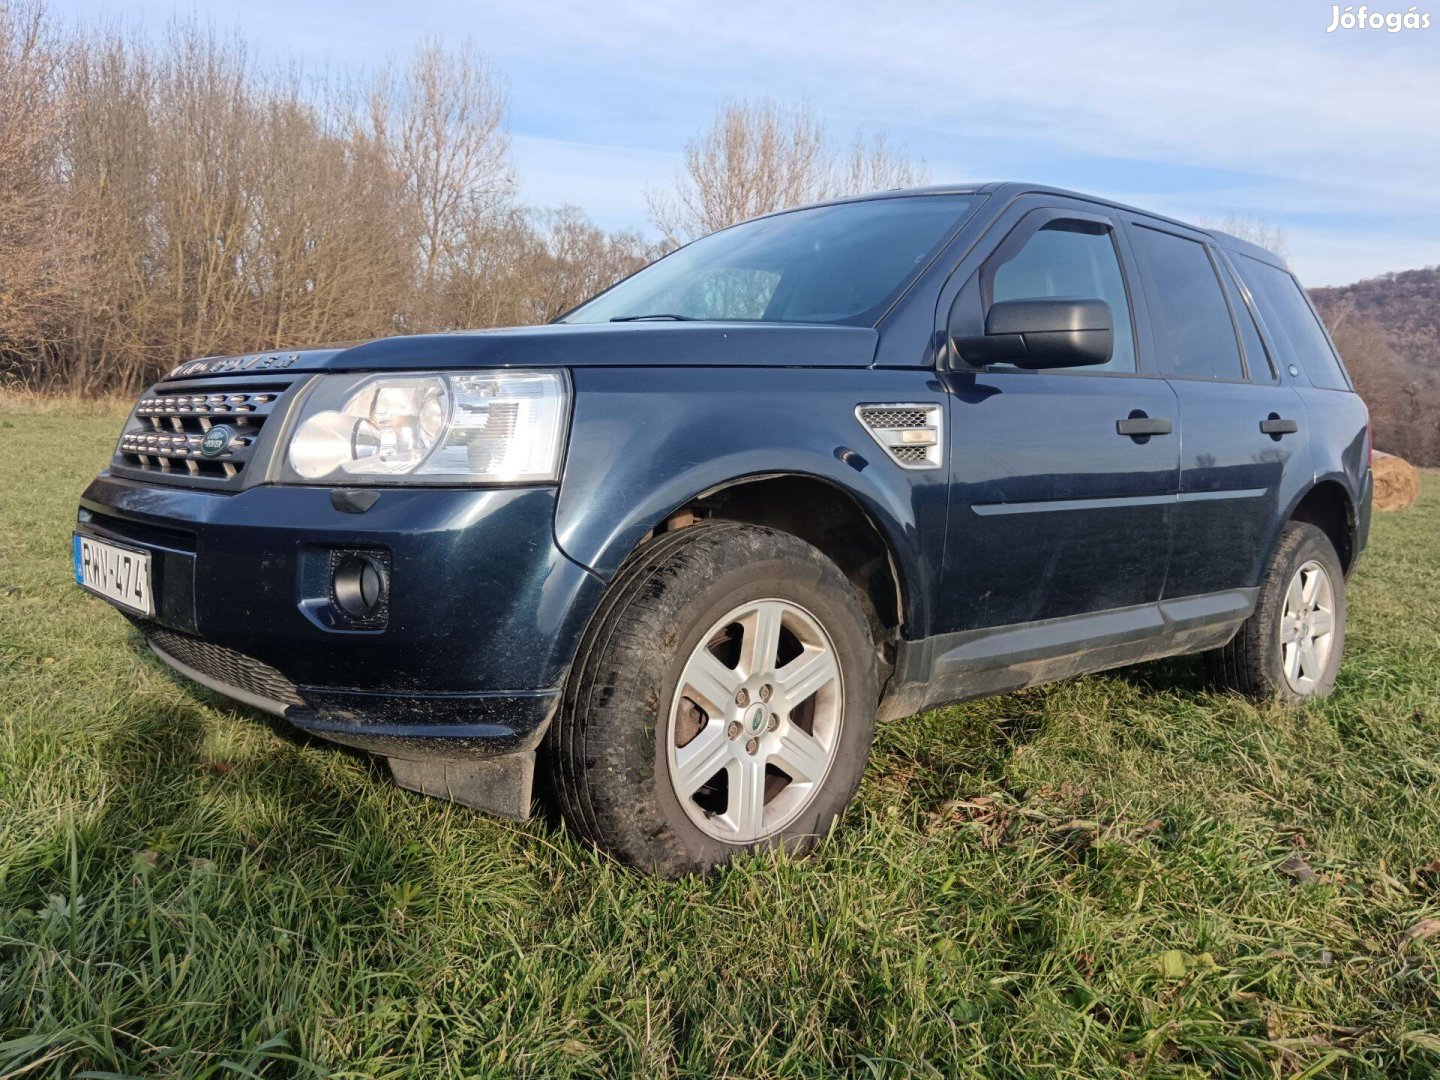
(687, 544)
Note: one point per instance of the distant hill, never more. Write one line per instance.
(1405, 304)
(1388, 330)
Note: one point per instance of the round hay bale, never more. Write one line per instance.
(1396, 482)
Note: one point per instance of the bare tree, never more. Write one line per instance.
(163, 200)
(754, 159)
(874, 165)
(530, 266)
(580, 259)
(762, 156)
(34, 265)
(108, 152)
(1400, 396)
(488, 281)
(441, 124)
(1257, 231)
(216, 209)
(328, 257)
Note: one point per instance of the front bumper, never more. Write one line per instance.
(484, 610)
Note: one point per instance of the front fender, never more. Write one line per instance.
(645, 441)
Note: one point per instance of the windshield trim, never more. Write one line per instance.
(974, 194)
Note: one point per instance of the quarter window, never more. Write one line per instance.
(1194, 336)
(1257, 359)
(1073, 259)
(1291, 321)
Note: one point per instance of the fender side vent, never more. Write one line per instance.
(910, 433)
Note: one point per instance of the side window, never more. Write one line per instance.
(1293, 326)
(1072, 259)
(1194, 336)
(1257, 358)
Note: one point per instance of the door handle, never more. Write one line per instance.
(1277, 426)
(1142, 425)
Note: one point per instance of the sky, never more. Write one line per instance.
(1197, 110)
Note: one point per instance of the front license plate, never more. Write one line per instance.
(119, 574)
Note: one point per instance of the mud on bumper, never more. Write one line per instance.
(460, 679)
(410, 725)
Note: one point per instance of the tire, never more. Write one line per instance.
(1255, 662)
(633, 728)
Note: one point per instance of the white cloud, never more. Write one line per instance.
(1322, 124)
(1116, 79)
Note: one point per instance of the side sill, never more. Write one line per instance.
(997, 660)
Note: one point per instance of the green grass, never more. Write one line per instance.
(1079, 880)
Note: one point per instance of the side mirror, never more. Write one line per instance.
(1043, 333)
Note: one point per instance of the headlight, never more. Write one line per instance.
(454, 428)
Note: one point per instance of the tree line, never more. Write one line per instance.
(165, 200)
(161, 200)
(1388, 330)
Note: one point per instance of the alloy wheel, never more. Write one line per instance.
(1307, 627)
(755, 721)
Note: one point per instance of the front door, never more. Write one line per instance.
(1063, 484)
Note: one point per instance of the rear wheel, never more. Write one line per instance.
(1291, 647)
(723, 700)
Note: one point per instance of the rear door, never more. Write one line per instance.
(1335, 416)
(1055, 510)
(1243, 430)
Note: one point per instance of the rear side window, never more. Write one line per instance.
(1194, 336)
(1072, 259)
(1293, 326)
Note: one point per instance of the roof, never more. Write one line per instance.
(1006, 190)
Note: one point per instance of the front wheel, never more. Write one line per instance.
(1290, 648)
(723, 700)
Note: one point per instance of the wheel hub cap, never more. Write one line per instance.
(755, 721)
(1307, 627)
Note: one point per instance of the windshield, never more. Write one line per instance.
(844, 263)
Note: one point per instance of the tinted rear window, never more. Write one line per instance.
(1293, 327)
(1193, 333)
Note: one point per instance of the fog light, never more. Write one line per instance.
(360, 586)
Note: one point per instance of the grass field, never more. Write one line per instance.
(1127, 875)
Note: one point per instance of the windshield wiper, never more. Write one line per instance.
(661, 315)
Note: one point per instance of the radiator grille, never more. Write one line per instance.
(164, 440)
(222, 664)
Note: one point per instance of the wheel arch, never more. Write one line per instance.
(824, 515)
(1328, 506)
